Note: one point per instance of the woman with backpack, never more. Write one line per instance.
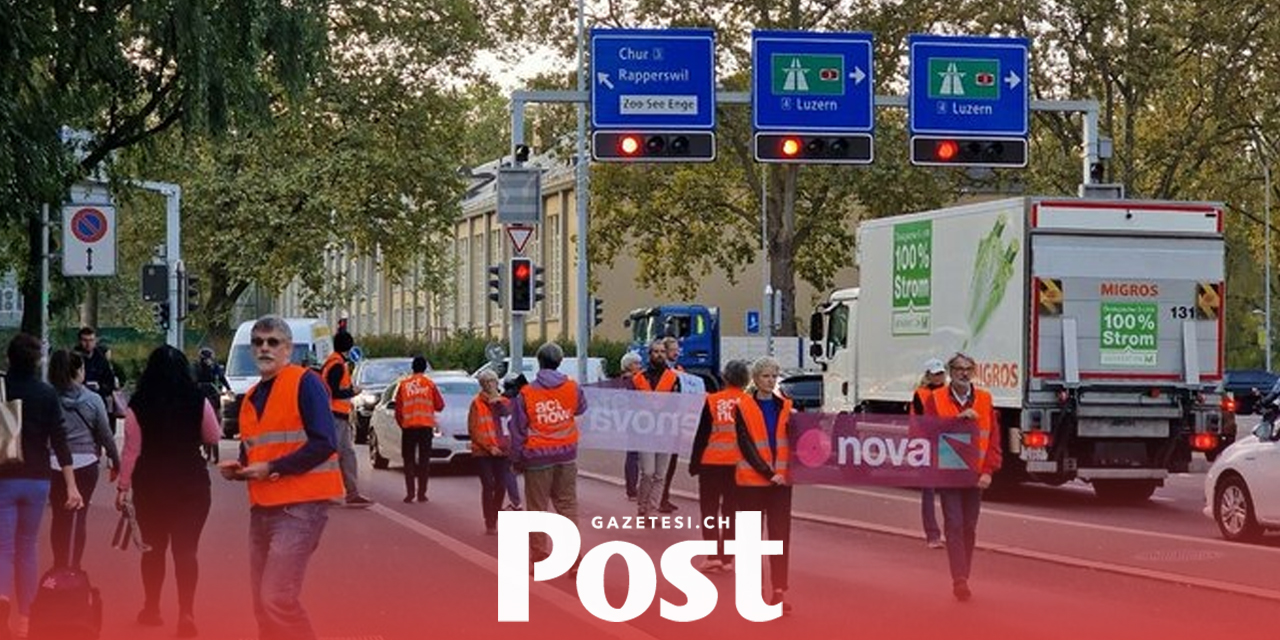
(85, 421)
(163, 467)
(24, 486)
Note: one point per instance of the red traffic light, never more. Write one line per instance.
(814, 148)
(522, 271)
(946, 150)
(791, 147)
(653, 146)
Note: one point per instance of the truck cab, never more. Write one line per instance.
(832, 347)
(697, 327)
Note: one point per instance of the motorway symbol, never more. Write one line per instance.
(968, 86)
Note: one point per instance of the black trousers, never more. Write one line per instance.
(716, 497)
(666, 484)
(171, 516)
(415, 446)
(492, 471)
(62, 524)
(774, 504)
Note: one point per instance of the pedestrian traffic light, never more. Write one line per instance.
(934, 151)
(160, 313)
(190, 296)
(597, 311)
(814, 148)
(522, 287)
(495, 284)
(653, 146)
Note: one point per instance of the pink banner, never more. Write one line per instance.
(884, 450)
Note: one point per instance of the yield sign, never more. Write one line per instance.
(519, 236)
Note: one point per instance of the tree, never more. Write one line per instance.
(364, 163)
(127, 70)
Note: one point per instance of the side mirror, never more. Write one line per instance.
(815, 350)
(815, 328)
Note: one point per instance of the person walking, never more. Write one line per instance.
(672, 347)
(163, 473)
(24, 487)
(337, 377)
(544, 443)
(211, 377)
(657, 378)
(714, 461)
(418, 400)
(630, 365)
(288, 458)
(99, 374)
(489, 447)
(763, 475)
(964, 401)
(935, 376)
(85, 421)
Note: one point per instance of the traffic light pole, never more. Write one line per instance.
(173, 252)
(520, 98)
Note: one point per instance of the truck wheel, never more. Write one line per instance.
(1124, 491)
(375, 456)
(1233, 510)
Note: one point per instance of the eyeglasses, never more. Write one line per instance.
(272, 342)
(961, 369)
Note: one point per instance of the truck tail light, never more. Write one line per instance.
(1204, 441)
(1228, 404)
(1036, 439)
(1154, 392)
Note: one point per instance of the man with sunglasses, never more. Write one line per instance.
(288, 458)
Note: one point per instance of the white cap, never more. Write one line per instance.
(934, 365)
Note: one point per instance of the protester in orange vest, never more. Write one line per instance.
(762, 475)
(962, 400)
(714, 461)
(489, 446)
(544, 443)
(288, 456)
(337, 377)
(657, 377)
(418, 400)
(665, 505)
(935, 376)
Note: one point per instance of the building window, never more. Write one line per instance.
(479, 290)
(554, 275)
(461, 288)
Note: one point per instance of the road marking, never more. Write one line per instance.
(556, 597)
(1072, 561)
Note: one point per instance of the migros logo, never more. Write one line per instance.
(1130, 290)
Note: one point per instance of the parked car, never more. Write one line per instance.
(451, 443)
(804, 389)
(373, 376)
(1242, 488)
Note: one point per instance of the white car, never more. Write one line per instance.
(1242, 488)
(450, 442)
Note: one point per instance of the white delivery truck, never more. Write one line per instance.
(1096, 325)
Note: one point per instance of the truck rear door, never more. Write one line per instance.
(1126, 293)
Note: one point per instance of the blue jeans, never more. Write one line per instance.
(281, 541)
(22, 504)
(960, 510)
(929, 515)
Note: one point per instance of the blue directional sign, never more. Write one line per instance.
(653, 79)
(964, 85)
(753, 322)
(806, 81)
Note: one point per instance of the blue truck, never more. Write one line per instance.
(697, 327)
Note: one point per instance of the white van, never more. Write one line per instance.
(569, 367)
(312, 343)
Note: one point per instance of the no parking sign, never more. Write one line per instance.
(89, 240)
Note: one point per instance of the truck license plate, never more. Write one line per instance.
(1035, 455)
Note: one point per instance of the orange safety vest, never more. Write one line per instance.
(552, 415)
(922, 394)
(667, 382)
(335, 359)
(945, 406)
(416, 399)
(722, 446)
(780, 460)
(482, 427)
(278, 433)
